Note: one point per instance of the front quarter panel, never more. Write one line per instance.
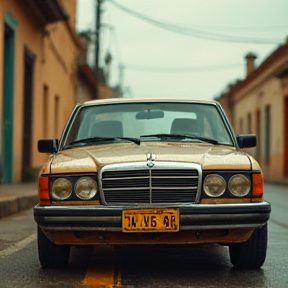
(223, 158)
(47, 166)
(255, 165)
(77, 162)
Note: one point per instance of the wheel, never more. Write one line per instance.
(252, 253)
(50, 254)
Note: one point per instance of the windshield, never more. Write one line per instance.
(149, 122)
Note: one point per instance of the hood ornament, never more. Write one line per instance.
(150, 160)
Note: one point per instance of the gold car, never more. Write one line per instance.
(131, 171)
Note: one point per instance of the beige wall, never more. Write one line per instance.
(255, 97)
(55, 52)
(70, 8)
(58, 74)
(83, 92)
(103, 92)
(224, 101)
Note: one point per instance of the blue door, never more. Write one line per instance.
(8, 85)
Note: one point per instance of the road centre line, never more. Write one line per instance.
(18, 246)
(101, 271)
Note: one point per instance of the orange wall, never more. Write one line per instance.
(83, 92)
(54, 66)
(70, 8)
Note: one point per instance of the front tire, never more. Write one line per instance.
(50, 254)
(252, 253)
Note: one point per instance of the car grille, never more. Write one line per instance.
(150, 186)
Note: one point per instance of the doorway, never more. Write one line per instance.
(27, 111)
(285, 137)
(7, 113)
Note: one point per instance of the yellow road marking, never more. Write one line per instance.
(101, 271)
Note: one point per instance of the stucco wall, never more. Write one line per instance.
(83, 92)
(224, 101)
(55, 51)
(268, 92)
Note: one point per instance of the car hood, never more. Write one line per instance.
(93, 158)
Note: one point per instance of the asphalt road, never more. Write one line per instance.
(195, 266)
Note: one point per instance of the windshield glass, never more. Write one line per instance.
(150, 119)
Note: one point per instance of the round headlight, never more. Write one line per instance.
(214, 185)
(239, 185)
(86, 188)
(61, 189)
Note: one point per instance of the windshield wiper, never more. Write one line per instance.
(182, 136)
(135, 140)
(99, 139)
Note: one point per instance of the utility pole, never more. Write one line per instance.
(97, 44)
(121, 75)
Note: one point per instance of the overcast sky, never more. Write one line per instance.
(190, 61)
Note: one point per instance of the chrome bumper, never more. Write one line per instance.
(192, 217)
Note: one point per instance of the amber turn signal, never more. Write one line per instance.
(43, 190)
(257, 184)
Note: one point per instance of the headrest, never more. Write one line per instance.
(184, 126)
(111, 128)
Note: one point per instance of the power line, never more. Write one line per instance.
(194, 32)
(246, 29)
(239, 28)
(180, 69)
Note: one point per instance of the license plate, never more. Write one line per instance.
(150, 220)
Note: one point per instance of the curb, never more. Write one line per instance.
(10, 205)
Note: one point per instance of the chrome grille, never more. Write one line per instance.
(147, 186)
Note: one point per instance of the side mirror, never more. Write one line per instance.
(48, 145)
(247, 141)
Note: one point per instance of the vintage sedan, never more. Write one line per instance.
(132, 171)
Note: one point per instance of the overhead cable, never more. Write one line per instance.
(194, 32)
(180, 69)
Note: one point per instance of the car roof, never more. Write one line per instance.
(135, 100)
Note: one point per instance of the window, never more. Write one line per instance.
(258, 133)
(241, 126)
(45, 111)
(249, 123)
(56, 116)
(267, 133)
(285, 136)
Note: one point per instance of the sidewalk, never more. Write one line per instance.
(17, 197)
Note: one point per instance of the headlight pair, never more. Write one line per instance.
(85, 188)
(215, 185)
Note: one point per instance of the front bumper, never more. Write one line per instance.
(192, 217)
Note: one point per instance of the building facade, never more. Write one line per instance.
(37, 79)
(259, 105)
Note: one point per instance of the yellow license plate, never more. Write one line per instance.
(150, 220)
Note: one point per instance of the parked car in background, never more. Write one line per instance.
(132, 171)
